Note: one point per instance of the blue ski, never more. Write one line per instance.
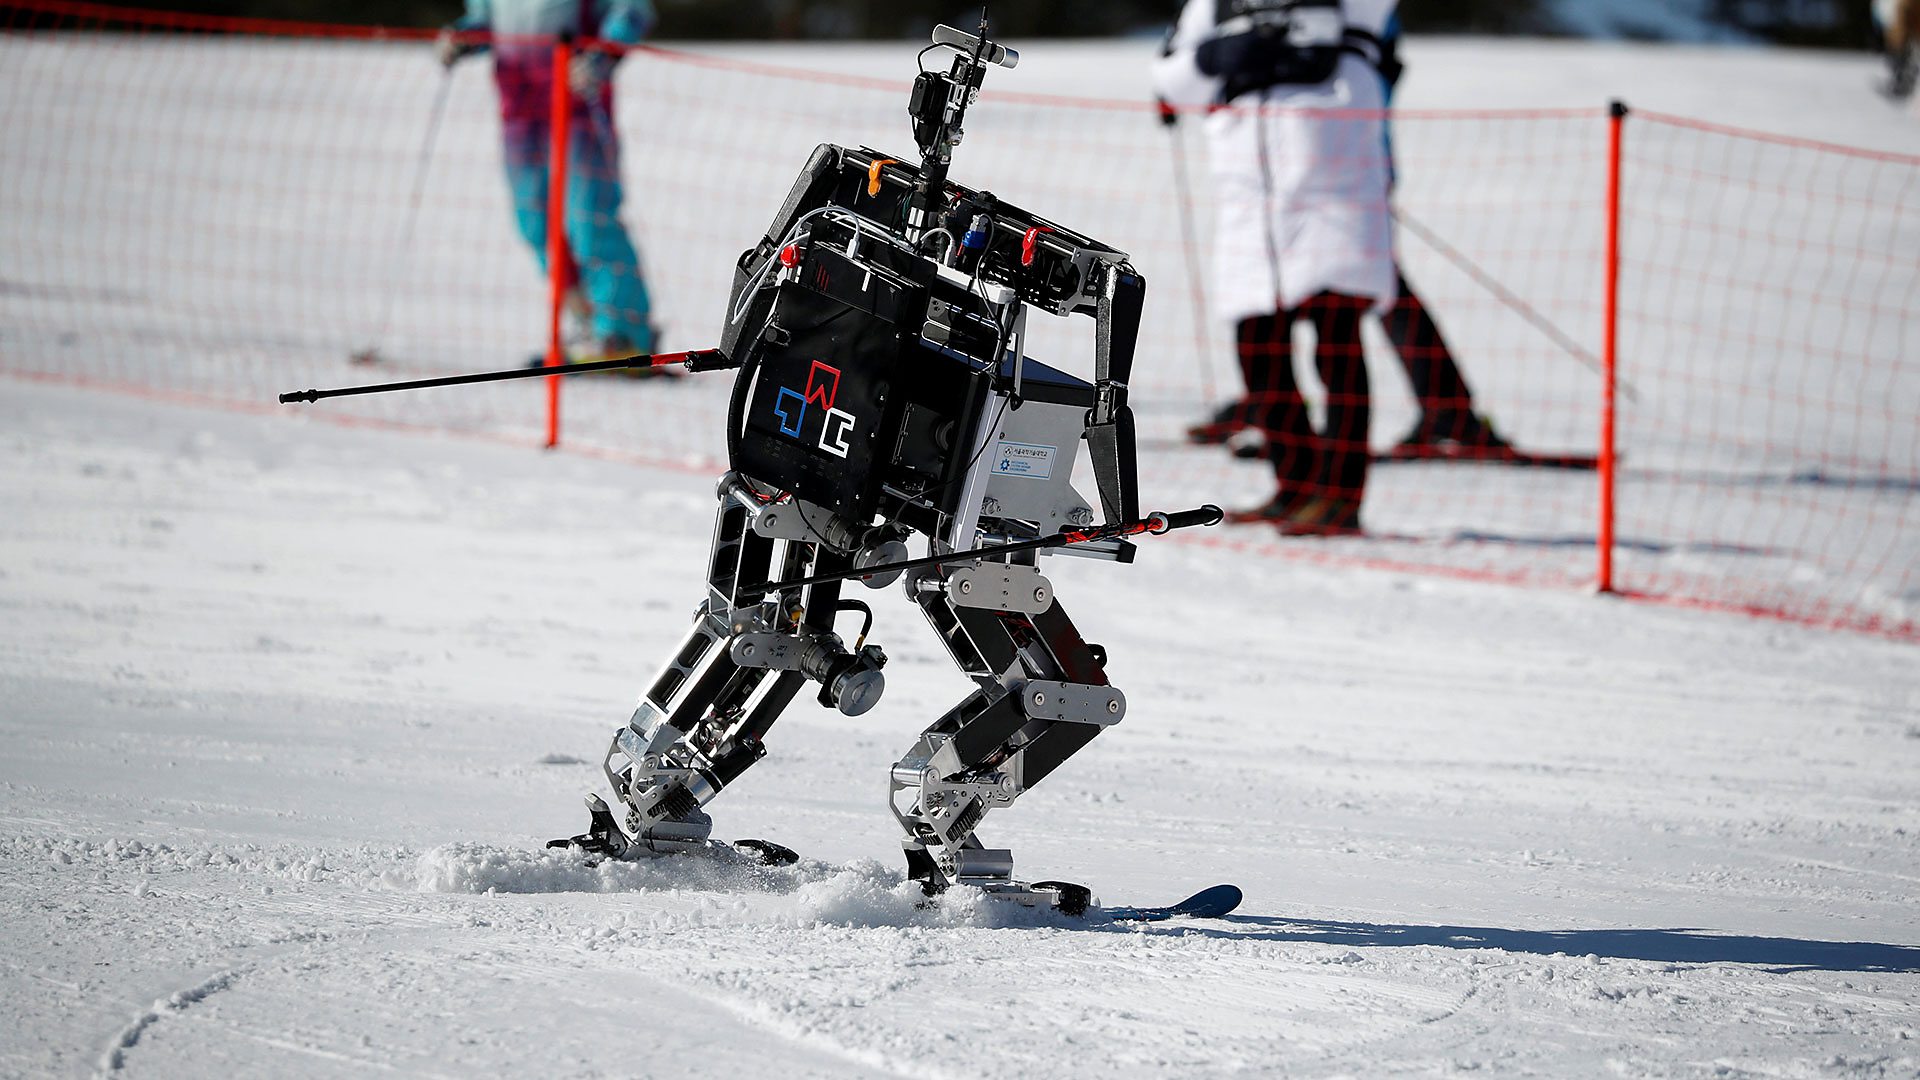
(1205, 904)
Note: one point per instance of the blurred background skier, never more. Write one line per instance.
(1303, 232)
(1448, 425)
(606, 289)
(1899, 22)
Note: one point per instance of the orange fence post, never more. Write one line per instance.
(1609, 356)
(557, 257)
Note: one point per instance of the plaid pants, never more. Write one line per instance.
(1331, 462)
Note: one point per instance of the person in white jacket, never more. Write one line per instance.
(1298, 160)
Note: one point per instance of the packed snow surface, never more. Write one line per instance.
(290, 709)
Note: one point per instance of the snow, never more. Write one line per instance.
(291, 708)
(290, 703)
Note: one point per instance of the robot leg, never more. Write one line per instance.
(1042, 694)
(702, 721)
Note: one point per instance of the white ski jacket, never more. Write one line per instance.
(1301, 198)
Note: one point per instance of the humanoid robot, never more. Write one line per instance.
(883, 393)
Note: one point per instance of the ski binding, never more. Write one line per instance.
(686, 836)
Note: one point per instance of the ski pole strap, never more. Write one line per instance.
(1155, 523)
(696, 360)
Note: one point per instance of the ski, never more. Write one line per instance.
(1498, 455)
(1213, 903)
(687, 836)
(1464, 455)
(764, 852)
(1077, 902)
(759, 852)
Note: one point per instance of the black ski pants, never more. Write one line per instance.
(1437, 382)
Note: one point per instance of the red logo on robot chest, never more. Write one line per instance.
(791, 407)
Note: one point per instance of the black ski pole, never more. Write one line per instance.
(1506, 296)
(1155, 523)
(371, 354)
(1183, 195)
(696, 360)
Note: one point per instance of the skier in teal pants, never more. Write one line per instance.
(603, 273)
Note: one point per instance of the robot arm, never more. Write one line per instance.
(1110, 436)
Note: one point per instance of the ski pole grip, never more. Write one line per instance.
(709, 360)
(1185, 519)
(308, 396)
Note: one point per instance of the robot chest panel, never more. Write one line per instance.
(817, 407)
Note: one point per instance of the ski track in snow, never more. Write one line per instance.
(112, 1061)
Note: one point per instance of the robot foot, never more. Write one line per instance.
(991, 871)
(1065, 897)
(687, 835)
(603, 838)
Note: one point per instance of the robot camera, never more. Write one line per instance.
(962, 41)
